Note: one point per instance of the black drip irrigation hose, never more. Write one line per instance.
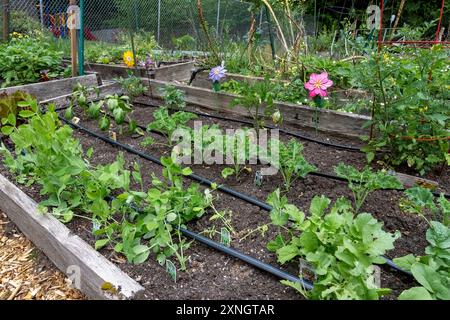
(200, 179)
(194, 74)
(237, 254)
(287, 132)
(317, 174)
(155, 160)
(248, 259)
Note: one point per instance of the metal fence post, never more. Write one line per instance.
(218, 18)
(41, 13)
(159, 20)
(5, 20)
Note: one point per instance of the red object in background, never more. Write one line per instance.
(87, 34)
(415, 42)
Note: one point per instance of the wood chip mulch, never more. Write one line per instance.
(25, 274)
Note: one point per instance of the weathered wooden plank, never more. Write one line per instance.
(50, 89)
(175, 72)
(66, 250)
(338, 123)
(410, 181)
(201, 79)
(114, 71)
(170, 72)
(104, 90)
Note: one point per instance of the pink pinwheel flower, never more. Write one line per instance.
(217, 73)
(318, 85)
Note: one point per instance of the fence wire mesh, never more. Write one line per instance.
(165, 19)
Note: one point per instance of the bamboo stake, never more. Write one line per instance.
(399, 13)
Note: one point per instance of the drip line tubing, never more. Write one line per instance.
(287, 132)
(236, 254)
(201, 180)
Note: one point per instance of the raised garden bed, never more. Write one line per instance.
(214, 275)
(170, 71)
(339, 96)
(67, 251)
(333, 122)
(55, 88)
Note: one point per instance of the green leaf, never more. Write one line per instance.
(101, 243)
(90, 152)
(186, 171)
(26, 113)
(415, 293)
(370, 156)
(319, 205)
(406, 262)
(161, 258)
(138, 249)
(227, 172)
(7, 130)
(142, 257)
(276, 244)
(287, 253)
(171, 217)
(427, 277)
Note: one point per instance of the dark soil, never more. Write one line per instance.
(212, 275)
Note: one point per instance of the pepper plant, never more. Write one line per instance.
(166, 123)
(257, 99)
(364, 182)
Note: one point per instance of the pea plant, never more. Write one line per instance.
(67, 180)
(167, 206)
(341, 248)
(364, 182)
(432, 270)
(71, 185)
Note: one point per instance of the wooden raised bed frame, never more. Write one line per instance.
(64, 248)
(170, 72)
(50, 89)
(334, 122)
(53, 238)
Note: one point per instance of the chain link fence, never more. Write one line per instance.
(165, 19)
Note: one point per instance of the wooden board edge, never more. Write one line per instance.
(40, 89)
(338, 123)
(67, 251)
(104, 90)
